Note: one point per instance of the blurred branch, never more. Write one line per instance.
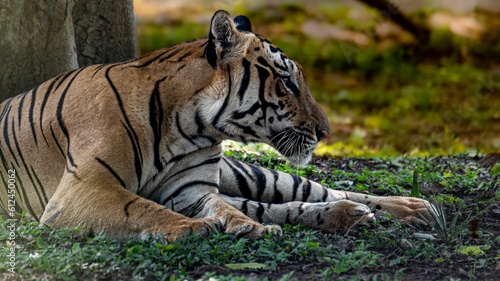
(391, 12)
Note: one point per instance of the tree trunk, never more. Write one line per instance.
(40, 39)
(104, 31)
(36, 43)
(392, 12)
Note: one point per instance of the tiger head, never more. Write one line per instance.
(265, 97)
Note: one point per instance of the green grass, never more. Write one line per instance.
(386, 251)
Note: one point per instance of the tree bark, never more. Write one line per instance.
(40, 39)
(36, 43)
(104, 31)
(391, 12)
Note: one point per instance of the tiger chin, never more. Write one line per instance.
(133, 149)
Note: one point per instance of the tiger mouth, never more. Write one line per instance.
(297, 147)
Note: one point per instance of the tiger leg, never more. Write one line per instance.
(117, 212)
(199, 204)
(238, 179)
(191, 188)
(334, 216)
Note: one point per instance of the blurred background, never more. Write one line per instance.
(413, 77)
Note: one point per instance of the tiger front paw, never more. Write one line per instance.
(411, 210)
(185, 227)
(242, 226)
(338, 216)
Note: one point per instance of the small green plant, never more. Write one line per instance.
(415, 189)
(450, 232)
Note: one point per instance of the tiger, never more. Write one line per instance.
(133, 149)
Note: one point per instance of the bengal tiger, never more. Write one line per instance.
(133, 149)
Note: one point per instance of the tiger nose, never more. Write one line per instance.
(321, 133)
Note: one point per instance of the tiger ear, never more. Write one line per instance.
(243, 23)
(223, 39)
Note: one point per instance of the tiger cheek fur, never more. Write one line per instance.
(133, 148)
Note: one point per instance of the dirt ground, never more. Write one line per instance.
(458, 267)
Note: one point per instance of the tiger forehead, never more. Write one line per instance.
(277, 56)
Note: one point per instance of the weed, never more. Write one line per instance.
(450, 233)
(415, 189)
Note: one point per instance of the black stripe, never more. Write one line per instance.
(185, 56)
(217, 117)
(170, 55)
(179, 128)
(206, 162)
(240, 115)
(263, 75)
(274, 49)
(2, 206)
(306, 192)
(156, 121)
(6, 137)
(40, 185)
(137, 155)
(242, 183)
(5, 108)
(199, 122)
(292, 87)
(117, 177)
(319, 220)
(187, 185)
(151, 60)
(280, 67)
(132, 134)
(181, 67)
(301, 210)
(246, 129)
(60, 120)
(163, 181)
(204, 42)
(277, 196)
(27, 171)
(245, 80)
(65, 77)
(20, 109)
(287, 218)
(260, 212)
(25, 198)
(45, 99)
(193, 209)
(264, 62)
(19, 187)
(57, 142)
(125, 208)
(98, 68)
(296, 183)
(244, 207)
(239, 165)
(260, 181)
(215, 122)
(4, 163)
(30, 114)
(176, 158)
(325, 194)
(279, 93)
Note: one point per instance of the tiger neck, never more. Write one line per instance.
(184, 121)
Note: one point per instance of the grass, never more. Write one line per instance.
(387, 251)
